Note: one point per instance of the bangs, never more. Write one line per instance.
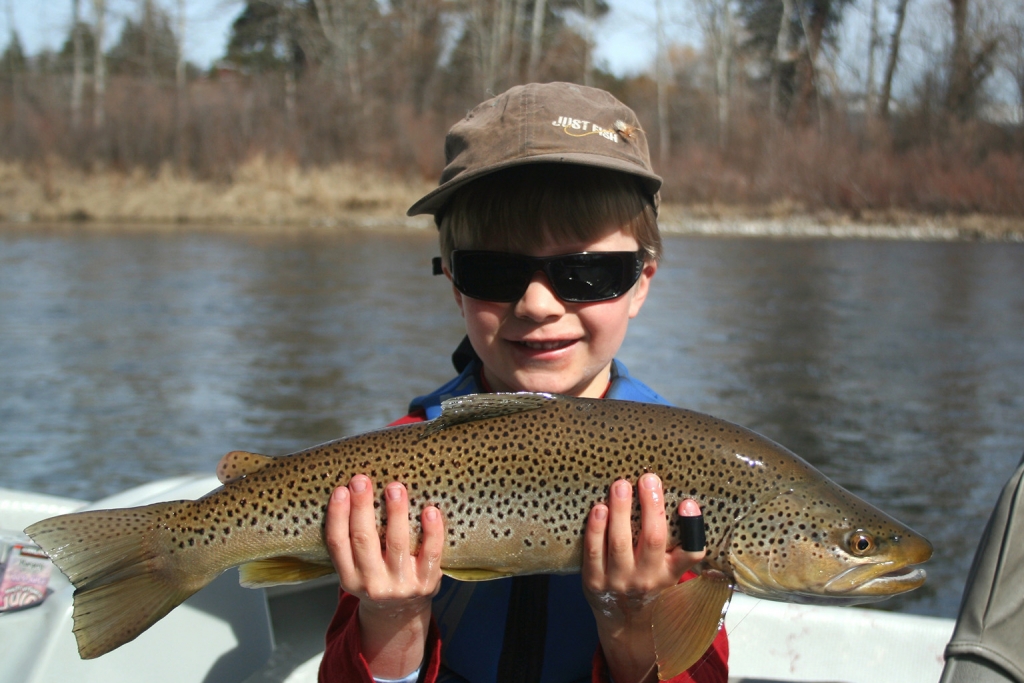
(520, 209)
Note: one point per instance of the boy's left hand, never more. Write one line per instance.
(622, 580)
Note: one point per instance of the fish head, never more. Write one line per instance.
(816, 543)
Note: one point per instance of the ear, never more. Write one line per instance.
(643, 285)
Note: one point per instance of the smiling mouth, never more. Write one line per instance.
(547, 346)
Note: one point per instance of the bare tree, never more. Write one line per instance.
(783, 55)
(181, 95)
(1013, 54)
(78, 65)
(536, 35)
(893, 59)
(662, 76)
(874, 42)
(972, 61)
(99, 74)
(718, 25)
(342, 22)
(588, 42)
(515, 61)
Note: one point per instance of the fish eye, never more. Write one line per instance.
(861, 543)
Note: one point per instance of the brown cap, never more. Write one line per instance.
(542, 122)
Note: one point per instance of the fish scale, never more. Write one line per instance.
(515, 476)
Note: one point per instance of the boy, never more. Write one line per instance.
(547, 211)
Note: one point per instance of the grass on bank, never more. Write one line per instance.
(272, 195)
(260, 193)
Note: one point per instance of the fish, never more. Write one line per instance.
(515, 476)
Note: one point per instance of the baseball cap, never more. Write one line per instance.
(542, 123)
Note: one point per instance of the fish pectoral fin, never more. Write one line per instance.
(476, 574)
(686, 619)
(275, 571)
(473, 407)
(237, 464)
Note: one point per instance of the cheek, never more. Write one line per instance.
(607, 322)
(482, 316)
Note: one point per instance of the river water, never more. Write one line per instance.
(895, 367)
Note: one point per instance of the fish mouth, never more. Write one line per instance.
(876, 581)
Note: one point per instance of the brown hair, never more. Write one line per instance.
(517, 209)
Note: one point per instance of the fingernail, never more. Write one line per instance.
(430, 515)
(394, 492)
(621, 489)
(600, 513)
(358, 484)
(649, 481)
(340, 494)
(689, 508)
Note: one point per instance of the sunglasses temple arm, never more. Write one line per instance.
(436, 265)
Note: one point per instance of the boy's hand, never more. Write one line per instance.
(394, 586)
(622, 581)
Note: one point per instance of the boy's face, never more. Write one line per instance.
(541, 343)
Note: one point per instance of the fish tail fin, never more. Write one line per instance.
(686, 619)
(125, 576)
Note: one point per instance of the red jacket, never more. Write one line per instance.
(343, 660)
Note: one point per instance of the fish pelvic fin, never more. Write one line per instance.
(686, 619)
(275, 571)
(473, 407)
(475, 574)
(125, 581)
(237, 464)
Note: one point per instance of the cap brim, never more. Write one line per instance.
(435, 200)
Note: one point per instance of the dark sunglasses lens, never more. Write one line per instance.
(490, 276)
(594, 276)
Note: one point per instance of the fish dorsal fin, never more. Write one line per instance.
(473, 407)
(686, 618)
(237, 464)
(276, 571)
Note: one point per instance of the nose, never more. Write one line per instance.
(539, 302)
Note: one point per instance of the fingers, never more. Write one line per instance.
(397, 534)
(611, 559)
(594, 564)
(367, 567)
(428, 558)
(620, 527)
(363, 535)
(650, 549)
(336, 532)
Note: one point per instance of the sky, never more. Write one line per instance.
(624, 44)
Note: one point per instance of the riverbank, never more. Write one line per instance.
(275, 197)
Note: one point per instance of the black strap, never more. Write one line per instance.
(526, 626)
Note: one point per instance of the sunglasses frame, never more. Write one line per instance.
(549, 266)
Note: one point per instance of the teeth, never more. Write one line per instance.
(546, 346)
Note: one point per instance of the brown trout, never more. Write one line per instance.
(515, 476)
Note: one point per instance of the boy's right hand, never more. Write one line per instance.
(394, 586)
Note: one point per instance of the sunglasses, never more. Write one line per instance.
(585, 277)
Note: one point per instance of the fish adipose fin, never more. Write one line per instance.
(275, 571)
(124, 581)
(237, 464)
(474, 574)
(686, 618)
